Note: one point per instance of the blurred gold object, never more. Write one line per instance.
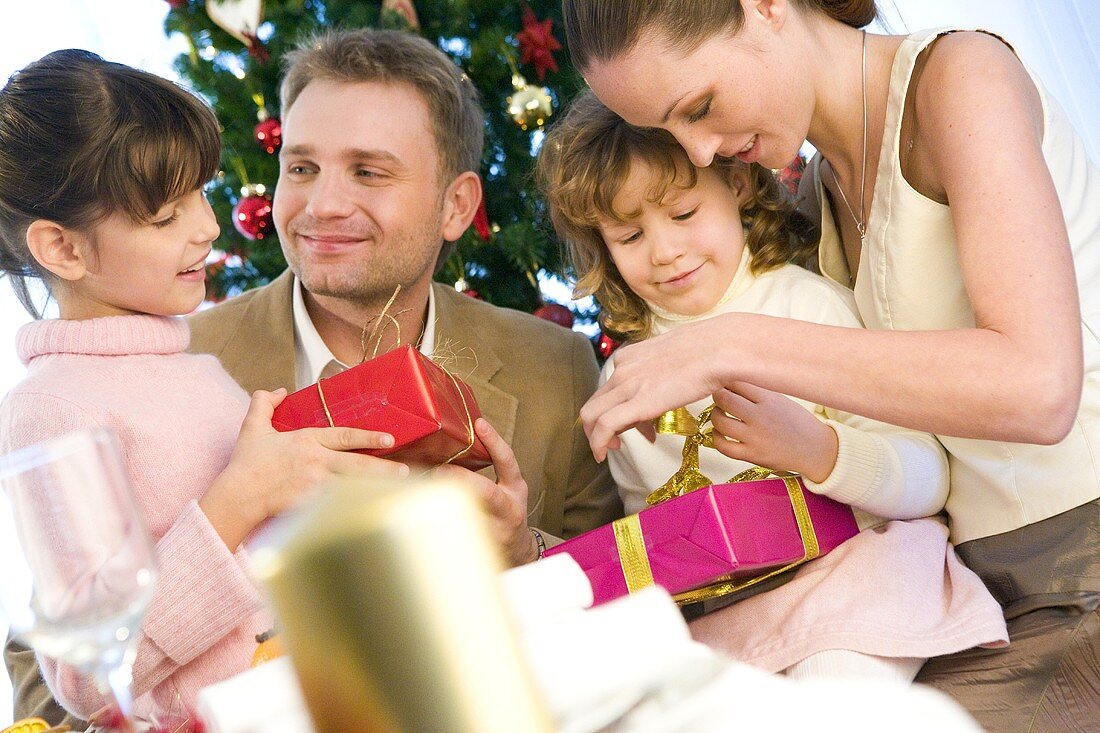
(269, 645)
(388, 602)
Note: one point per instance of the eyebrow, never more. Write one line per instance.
(353, 153)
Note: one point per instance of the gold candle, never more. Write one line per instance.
(387, 594)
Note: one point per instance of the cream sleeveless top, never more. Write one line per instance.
(909, 279)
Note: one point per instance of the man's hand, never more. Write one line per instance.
(505, 501)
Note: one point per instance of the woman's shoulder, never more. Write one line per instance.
(968, 67)
(959, 46)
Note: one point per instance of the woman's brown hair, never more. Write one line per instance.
(584, 163)
(601, 30)
(82, 138)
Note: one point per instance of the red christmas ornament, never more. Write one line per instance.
(481, 221)
(269, 134)
(537, 43)
(555, 313)
(606, 345)
(178, 3)
(252, 214)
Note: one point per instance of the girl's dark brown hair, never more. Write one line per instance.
(82, 138)
(601, 30)
(584, 163)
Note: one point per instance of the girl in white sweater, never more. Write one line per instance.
(661, 243)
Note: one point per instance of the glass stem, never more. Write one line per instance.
(114, 684)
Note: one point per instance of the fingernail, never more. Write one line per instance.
(386, 441)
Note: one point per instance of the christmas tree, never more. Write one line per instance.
(511, 52)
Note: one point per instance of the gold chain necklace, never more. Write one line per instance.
(861, 223)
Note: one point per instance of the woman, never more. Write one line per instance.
(962, 209)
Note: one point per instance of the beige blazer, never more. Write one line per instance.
(529, 377)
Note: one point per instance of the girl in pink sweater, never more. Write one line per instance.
(101, 175)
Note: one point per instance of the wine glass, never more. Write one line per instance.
(77, 556)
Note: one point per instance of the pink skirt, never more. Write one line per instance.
(897, 590)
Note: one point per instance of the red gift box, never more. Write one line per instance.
(712, 541)
(429, 411)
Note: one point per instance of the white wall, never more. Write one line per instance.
(1058, 39)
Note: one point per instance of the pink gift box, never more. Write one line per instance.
(722, 532)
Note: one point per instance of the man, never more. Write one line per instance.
(382, 135)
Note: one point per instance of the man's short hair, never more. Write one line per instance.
(397, 57)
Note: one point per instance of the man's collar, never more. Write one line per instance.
(312, 355)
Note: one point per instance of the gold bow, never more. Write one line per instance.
(689, 477)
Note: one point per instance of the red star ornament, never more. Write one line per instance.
(537, 43)
(481, 222)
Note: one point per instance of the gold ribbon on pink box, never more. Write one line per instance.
(634, 558)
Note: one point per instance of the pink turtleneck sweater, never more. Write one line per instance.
(177, 416)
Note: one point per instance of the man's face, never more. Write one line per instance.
(359, 203)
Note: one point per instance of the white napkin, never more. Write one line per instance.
(265, 698)
(630, 666)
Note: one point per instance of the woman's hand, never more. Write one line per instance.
(770, 430)
(270, 471)
(657, 375)
(505, 501)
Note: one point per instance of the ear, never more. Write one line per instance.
(58, 249)
(772, 12)
(460, 203)
(739, 179)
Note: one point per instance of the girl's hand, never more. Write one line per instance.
(770, 430)
(270, 471)
(505, 501)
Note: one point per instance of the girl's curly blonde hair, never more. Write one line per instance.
(584, 163)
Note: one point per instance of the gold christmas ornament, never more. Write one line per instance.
(529, 105)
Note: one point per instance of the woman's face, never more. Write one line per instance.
(731, 96)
